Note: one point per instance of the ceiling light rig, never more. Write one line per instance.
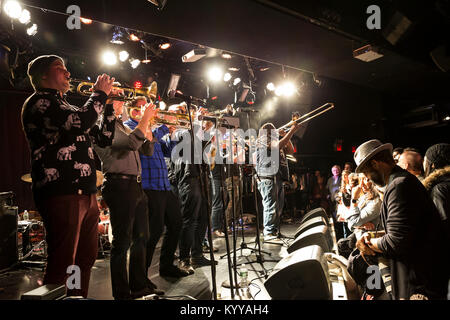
(31, 31)
(134, 63)
(85, 20)
(118, 36)
(226, 55)
(25, 17)
(13, 9)
(165, 45)
(109, 58)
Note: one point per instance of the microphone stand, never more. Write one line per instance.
(211, 253)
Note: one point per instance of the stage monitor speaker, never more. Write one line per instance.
(308, 224)
(318, 212)
(8, 236)
(302, 275)
(315, 236)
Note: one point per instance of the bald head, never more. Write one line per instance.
(411, 161)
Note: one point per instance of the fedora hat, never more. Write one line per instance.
(367, 150)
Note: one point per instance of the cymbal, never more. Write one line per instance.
(99, 174)
(26, 177)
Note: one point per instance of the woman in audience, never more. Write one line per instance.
(363, 214)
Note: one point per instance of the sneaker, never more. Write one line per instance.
(185, 265)
(201, 262)
(205, 249)
(145, 292)
(153, 287)
(219, 234)
(173, 272)
(271, 236)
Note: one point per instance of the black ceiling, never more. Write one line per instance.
(314, 36)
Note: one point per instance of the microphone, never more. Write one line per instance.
(246, 110)
(207, 118)
(179, 94)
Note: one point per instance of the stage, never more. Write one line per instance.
(198, 286)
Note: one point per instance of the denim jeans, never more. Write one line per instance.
(217, 204)
(272, 194)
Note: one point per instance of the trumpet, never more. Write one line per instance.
(178, 120)
(77, 86)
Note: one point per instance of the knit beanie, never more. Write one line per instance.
(439, 155)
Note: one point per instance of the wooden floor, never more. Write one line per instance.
(199, 285)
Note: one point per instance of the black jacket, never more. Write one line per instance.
(438, 185)
(414, 240)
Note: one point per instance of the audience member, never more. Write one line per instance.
(414, 239)
(411, 161)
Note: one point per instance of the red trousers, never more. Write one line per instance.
(71, 223)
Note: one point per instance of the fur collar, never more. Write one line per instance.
(436, 177)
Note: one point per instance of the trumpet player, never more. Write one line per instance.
(163, 203)
(127, 202)
(63, 167)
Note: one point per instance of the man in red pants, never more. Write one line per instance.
(63, 168)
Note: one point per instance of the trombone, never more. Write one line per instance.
(306, 117)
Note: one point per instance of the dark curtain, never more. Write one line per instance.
(14, 151)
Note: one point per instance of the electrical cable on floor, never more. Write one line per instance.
(255, 285)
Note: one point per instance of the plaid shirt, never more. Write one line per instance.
(154, 169)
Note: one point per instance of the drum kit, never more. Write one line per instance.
(32, 231)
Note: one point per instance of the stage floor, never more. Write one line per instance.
(199, 285)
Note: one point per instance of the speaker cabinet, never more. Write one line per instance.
(318, 212)
(315, 236)
(302, 275)
(8, 236)
(311, 223)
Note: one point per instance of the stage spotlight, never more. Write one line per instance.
(215, 74)
(286, 89)
(135, 63)
(165, 45)
(146, 61)
(134, 37)
(279, 91)
(162, 105)
(227, 77)
(233, 69)
(31, 31)
(85, 20)
(270, 86)
(25, 16)
(123, 55)
(109, 58)
(13, 9)
(236, 81)
(447, 118)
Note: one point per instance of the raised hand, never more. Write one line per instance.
(104, 83)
